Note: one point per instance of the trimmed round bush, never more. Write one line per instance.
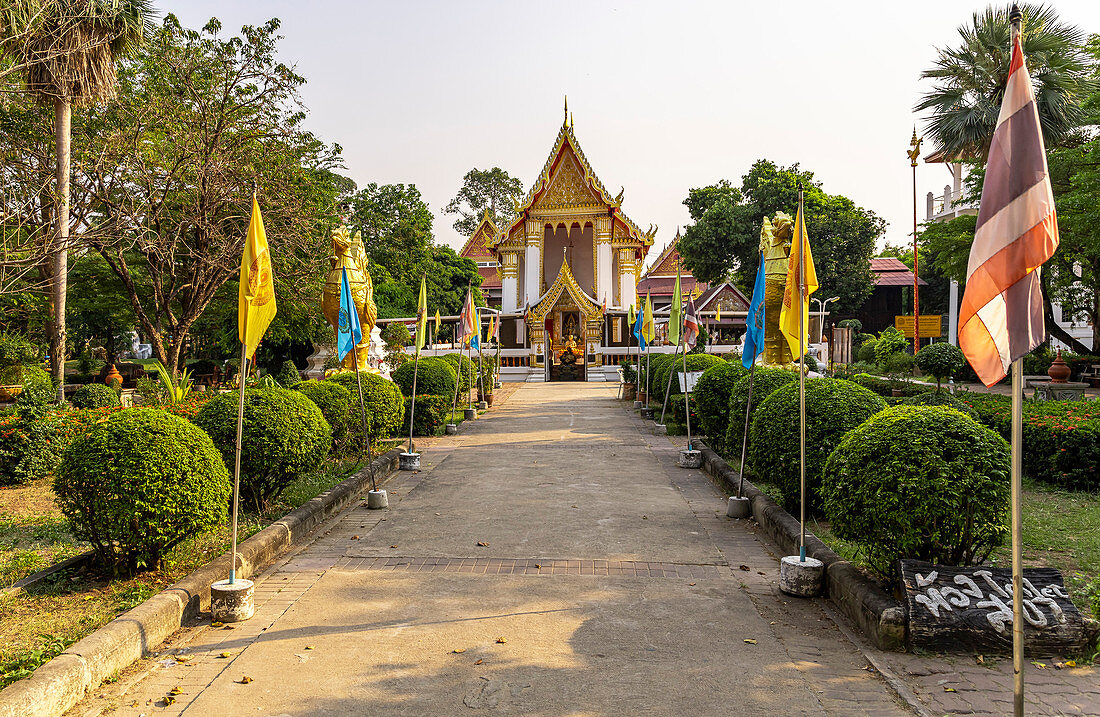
(712, 400)
(939, 398)
(38, 389)
(334, 401)
(767, 379)
(382, 399)
(433, 376)
(430, 413)
(464, 367)
(94, 395)
(695, 362)
(138, 484)
(656, 374)
(833, 407)
(866, 351)
(288, 375)
(919, 482)
(940, 360)
(285, 436)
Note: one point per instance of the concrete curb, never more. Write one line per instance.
(881, 617)
(63, 681)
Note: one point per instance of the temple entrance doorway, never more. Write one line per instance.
(567, 359)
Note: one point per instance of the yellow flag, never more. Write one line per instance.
(422, 314)
(257, 296)
(718, 312)
(438, 322)
(649, 329)
(790, 316)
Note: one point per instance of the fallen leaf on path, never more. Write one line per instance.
(1040, 665)
(573, 506)
(177, 690)
(479, 662)
(538, 566)
(309, 647)
(750, 641)
(949, 689)
(1071, 663)
(459, 650)
(691, 584)
(355, 537)
(980, 659)
(501, 640)
(244, 680)
(645, 517)
(393, 546)
(482, 545)
(230, 627)
(216, 623)
(184, 658)
(225, 655)
(169, 699)
(743, 567)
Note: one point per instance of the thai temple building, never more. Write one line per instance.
(565, 268)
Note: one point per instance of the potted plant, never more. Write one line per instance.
(629, 380)
(15, 353)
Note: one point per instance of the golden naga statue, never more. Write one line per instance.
(775, 242)
(348, 253)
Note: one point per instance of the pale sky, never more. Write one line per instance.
(665, 95)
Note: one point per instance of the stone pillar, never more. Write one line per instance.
(532, 264)
(509, 282)
(930, 204)
(604, 286)
(628, 277)
(953, 313)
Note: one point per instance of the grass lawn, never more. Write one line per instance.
(46, 618)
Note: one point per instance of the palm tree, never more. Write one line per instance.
(65, 51)
(970, 80)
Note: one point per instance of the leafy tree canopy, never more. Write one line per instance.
(492, 189)
(725, 237)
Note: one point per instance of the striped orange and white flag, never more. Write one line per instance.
(1001, 317)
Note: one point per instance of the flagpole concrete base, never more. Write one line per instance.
(482, 405)
(801, 578)
(647, 412)
(637, 404)
(378, 499)
(450, 429)
(660, 429)
(738, 507)
(690, 458)
(408, 461)
(231, 602)
(469, 414)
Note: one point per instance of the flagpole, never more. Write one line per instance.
(363, 413)
(683, 342)
(458, 379)
(745, 436)
(412, 404)
(237, 462)
(801, 379)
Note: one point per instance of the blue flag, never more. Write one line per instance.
(348, 333)
(754, 337)
(638, 330)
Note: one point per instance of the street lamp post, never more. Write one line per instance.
(914, 152)
(821, 315)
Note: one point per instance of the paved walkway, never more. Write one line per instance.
(549, 560)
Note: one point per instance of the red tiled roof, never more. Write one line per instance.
(665, 285)
(896, 278)
(489, 278)
(887, 263)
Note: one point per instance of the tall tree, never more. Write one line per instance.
(397, 228)
(199, 118)
(970, 79)
(492, 189)
(66, 54)
(725, 237)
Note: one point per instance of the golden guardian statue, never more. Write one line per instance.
(775, 242)
(348, 253)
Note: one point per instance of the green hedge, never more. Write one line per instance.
(927, 483)
(768, 378)
(335, 403)
(138, 484)
(833, 407)
(712, 399)
(940, 360)
(285, 436)
(1061, 438)
(94, 395)
(431, 413)
(382, 399)
(884, 387)
(695, 362)
(655, 380)
(676, 418)
(433, 376)
(939, 398)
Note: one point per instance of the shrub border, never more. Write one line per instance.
(881, 617)
(65, 680)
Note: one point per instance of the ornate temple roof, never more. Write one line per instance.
(660, 278)
(566, 283)
(567, 181)
(477, 248)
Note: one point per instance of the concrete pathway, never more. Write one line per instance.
(549, 560)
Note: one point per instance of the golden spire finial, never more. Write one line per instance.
(914, 147)
(565, 119)
(570, 120)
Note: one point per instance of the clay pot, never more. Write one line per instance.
(1059, 370)
(112, 376)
